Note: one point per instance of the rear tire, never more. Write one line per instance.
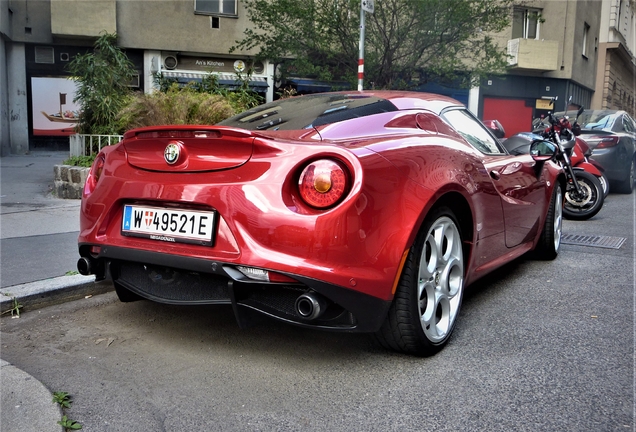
(550, 240)
(429, 294)
(627, 185)
(605, 185)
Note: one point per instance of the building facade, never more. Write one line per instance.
(180, 39)
(553, 53)
(616, 72)
(578, 49)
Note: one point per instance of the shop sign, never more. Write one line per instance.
(211, 64)
(545, 104)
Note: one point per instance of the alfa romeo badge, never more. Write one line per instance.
(171, 153)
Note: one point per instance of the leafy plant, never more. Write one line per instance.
(15, 308)
(102, 78)
(69, 424)
(175, 106)
(80, 161)
(63, 399)
(405, 39)
(240, 98)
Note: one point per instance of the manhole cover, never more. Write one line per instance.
(594, 241)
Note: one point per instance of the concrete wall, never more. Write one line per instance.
(17, 89)
(584, 66)
(5, 143)
(565, 22)
(172, 25)
(5, 35)
(31, 21)
(69, 17)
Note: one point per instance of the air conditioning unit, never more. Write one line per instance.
(170, 62)
(44, 55)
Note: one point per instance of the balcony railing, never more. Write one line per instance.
(86, 145)
(533, 54)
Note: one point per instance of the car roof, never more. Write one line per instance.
(404, 100)
(318, 109)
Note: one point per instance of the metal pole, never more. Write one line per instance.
(361, 55)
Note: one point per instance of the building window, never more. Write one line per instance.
(525, 23)
(586, 35)
(216, 7)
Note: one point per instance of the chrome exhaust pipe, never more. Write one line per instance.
(85, 266)
(310, 306)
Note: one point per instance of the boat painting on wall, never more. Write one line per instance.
(54, 112)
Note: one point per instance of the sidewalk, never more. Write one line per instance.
(38, 252)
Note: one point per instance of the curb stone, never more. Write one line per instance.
(49, 292)
(26, 403)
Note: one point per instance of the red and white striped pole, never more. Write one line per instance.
(365, 6)
(361, 49)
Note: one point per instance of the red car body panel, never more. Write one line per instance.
(400, 164)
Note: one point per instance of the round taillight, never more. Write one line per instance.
(322, 183)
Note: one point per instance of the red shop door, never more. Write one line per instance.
(513, 114)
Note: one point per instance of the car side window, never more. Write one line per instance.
(628, 125)
(473, 131)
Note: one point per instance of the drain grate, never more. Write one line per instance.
(593, 241)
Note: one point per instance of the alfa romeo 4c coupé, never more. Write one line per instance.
(360, 211)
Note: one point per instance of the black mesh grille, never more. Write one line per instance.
(164, 283)
(275, 299)
(169, 285)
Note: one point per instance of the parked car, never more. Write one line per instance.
(360, 212)
(611, 135)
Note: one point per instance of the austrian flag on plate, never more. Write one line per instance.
(148, 219)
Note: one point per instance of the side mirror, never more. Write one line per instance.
(495, 127)
(580, 111)
(542, 150)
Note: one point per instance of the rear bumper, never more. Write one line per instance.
(171, 279)
(615, 162)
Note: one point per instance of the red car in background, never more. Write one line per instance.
(361, 211)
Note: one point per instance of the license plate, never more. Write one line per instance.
(169, 225)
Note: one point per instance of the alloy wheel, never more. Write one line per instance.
(441, 279)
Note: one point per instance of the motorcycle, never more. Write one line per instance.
(584, 194)
(580, 156)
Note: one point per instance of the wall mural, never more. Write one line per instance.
(54, 112)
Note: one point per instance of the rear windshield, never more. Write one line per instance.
(597, 119)
(304, 112)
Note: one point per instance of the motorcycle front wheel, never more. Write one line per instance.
(587, 204)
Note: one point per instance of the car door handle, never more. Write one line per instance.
(495, 175)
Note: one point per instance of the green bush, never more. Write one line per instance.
(175, 106)
(80, 161)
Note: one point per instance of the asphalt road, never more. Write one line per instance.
(539, 346)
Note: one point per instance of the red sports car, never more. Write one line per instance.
(361, 211)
